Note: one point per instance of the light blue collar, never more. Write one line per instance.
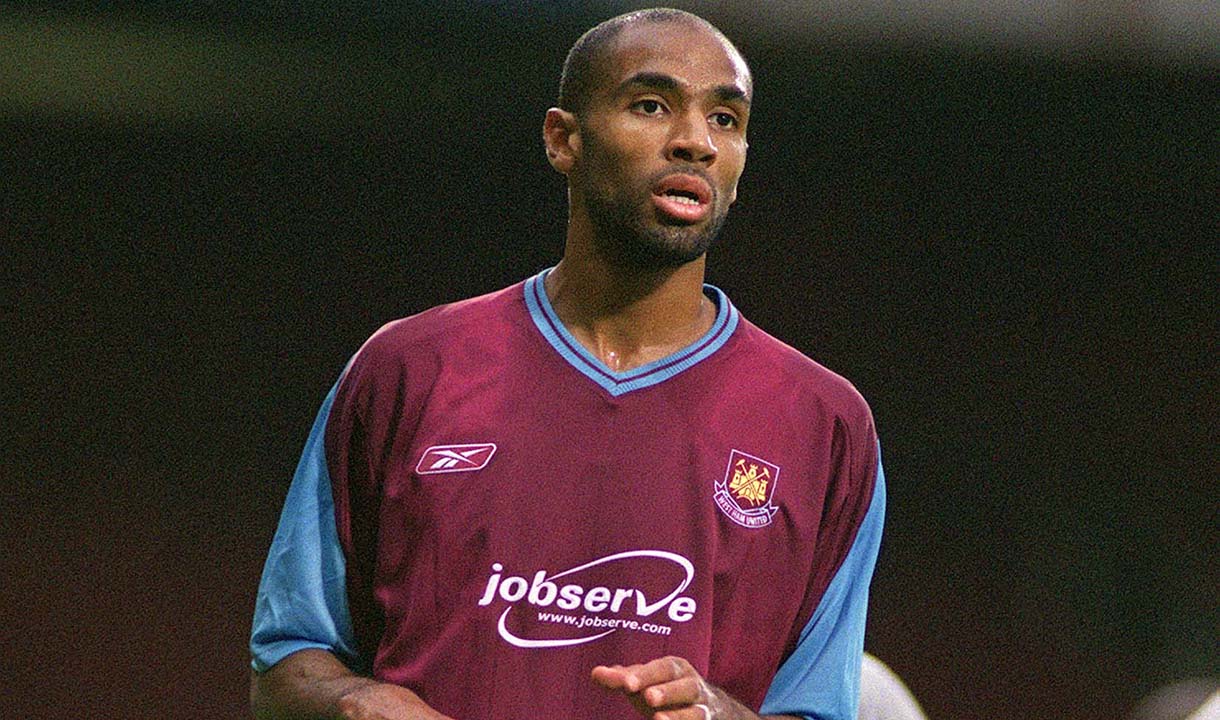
(618, 383)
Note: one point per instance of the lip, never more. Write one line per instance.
(683, 211)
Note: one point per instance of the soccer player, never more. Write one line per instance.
(599, 493)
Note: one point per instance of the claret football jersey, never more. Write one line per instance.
(484, 512)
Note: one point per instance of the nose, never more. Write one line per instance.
(691, 140)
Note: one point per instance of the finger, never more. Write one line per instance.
(683, 691)
(612, 677)
(662, 670)
(698, 711)
(632, 678)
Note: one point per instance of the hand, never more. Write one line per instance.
(380, 701)
(670, 689)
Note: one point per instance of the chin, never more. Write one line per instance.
(657, 248)
(641, 241)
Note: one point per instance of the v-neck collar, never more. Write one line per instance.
(618, 383)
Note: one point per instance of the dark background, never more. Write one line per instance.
(1012, 254)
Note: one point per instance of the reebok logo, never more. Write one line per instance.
(455, 458)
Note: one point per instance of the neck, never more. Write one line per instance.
(629, 317)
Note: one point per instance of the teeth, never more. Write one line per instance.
(685, 200)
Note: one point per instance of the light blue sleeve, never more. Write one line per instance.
(821, 679)
(302, 598)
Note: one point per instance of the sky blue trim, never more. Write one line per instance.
(618, 383)
(831, 645)
(302, 598)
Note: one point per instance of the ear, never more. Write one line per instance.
(561, 133)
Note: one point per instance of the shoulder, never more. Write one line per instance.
(797, 376)
(405, 357)
(434, 331)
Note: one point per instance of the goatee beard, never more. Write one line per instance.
(622, 236)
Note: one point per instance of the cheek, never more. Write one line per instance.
(617, 173)
(734, 175)
(598, 159)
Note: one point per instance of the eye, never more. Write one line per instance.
(649, 107)
(724, 120)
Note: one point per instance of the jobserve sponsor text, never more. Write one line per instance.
(543, 590)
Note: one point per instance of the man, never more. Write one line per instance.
(600, 489)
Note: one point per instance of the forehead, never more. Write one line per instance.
(694, 56)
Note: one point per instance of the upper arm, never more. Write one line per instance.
(302, 597)
(821, 677)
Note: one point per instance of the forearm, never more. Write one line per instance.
(306, 685)
(315, 685)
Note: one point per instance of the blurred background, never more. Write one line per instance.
(997, 219)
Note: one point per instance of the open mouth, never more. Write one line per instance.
(684, 189)
(684, 197)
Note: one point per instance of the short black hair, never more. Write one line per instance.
(578, 78)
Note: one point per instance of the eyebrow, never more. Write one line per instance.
(662, 82)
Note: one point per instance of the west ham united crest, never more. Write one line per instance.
(746, 491)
